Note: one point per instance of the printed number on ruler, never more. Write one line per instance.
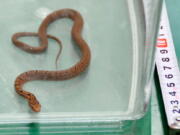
(168, 71)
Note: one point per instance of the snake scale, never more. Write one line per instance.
(69, 73)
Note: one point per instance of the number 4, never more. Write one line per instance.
(172, 93)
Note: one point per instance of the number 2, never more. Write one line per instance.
(176, 111)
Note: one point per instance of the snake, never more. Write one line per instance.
(51, 75)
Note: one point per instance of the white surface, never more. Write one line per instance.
(167, 66)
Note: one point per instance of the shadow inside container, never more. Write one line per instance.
(161, 104)
(34, 128)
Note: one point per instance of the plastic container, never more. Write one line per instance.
(110, 96)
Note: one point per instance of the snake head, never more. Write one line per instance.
(34, 104)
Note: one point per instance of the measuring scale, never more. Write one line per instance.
(168, 71)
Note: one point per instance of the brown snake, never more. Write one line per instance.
(73, 71)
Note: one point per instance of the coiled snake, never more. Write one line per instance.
(69, 73)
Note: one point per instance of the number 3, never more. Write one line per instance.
(175, 102)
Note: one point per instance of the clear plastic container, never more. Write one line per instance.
(115, 90)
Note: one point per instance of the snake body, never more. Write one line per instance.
(69, 73)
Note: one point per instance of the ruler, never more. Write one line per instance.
(168, 71)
